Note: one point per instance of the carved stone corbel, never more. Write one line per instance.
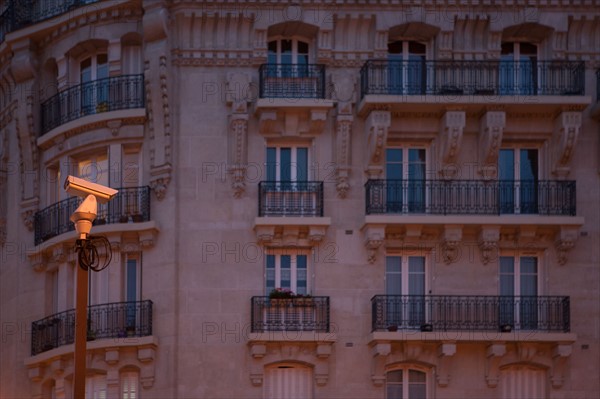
(494, 355)
(489, 236)
(377, 126)
(380, 352)
(316, 234)
(238, 152)
(267, 122)
(560, 356)
(451, 239)
(565, 242)
(445, 353)
(265, 234)
(374, 236)
(451, 134)
(317, 120)
(566, 131)
(490, 138)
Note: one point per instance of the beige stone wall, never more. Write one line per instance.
(204, 250)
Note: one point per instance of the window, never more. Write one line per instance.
(405, 286)
(518, 68)
(288, 270)
(288, 51)
(93, 72)
(407, 72)
(406, 383)
(287, 164)
(95, 387)
(518, 174)
(132, 283)
(405, 170)
(54, 283)
(519, 281)
(288, 382)
(130, 385)
(522, 382)
(94, 168)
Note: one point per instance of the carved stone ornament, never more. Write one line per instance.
(377, 126)
(494, 355)
(374, 237)
(566, 132)
(238, 97)
(565, 242)
(451, 134)
(490, 139)
(489, 236)
(343, 148)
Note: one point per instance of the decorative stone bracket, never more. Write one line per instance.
(315, 354)
(488, 243)
(451, 238)
(291, 235)
(560, 356)
(238, 89)
(490, 138)
(377, 126)
(494, 355)
(374, 237)
(445, 353)
(565, 242)
(293, 121)
(451, 134)
(566, 131)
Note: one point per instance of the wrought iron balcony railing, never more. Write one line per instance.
(19, 14)
(485, 78)
(111, 320)
(290, 314)
(278, 198)
(470, 313)
(292, 81)
(471, 197)
(130, 204)
(102, 95)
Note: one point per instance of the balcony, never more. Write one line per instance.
(470, 313)
(290, 314)
(472, 84)
(470, 197)
(542, 78)
(21, 13)
(131, 204)
(102, 95)
(112, 320)
(292, 81)
(277, 198)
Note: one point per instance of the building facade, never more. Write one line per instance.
(351, 199)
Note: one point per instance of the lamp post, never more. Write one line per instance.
(83, 217)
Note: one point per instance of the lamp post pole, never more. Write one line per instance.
(81, 327)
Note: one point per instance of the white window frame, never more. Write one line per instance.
(293, 253)
(516, 148)
(280, 394)
(295, 39)
(517, 255)
(95, 386)
(405, 171)
(293, 160)
(405, 387)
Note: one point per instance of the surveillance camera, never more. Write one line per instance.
(83, 188)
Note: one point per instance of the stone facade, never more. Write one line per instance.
(425, 176)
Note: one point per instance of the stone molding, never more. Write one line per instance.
(564, 141)
(490, 138)
(377, 126)
(451, 134)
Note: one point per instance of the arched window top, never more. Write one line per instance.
(293, 28)
(417, 31)
(526, 32)
(407, 382)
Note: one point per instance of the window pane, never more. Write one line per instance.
(506, 164)
(270, 274)
(507, 278)
(529, 164)
(416, 275)
(286, 271)
(271, 164)
(301, 272)
(393, 275)
(285, 158)
(302, 164)
(416, 391)
(417, 48)
(507, 264)
(394, 391)
(131, 280)
(393, 163)
(416, 376)
(395, 47)
(394, 376)
(528, 276)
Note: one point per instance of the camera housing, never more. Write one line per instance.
(83, 188)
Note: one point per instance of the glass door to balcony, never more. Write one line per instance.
(405, 178)
(288, 73)
(518, 180)
(406, 72)
(94, 85)
(405, 289)
(518, 69)
(287, 190)
(519, 292)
